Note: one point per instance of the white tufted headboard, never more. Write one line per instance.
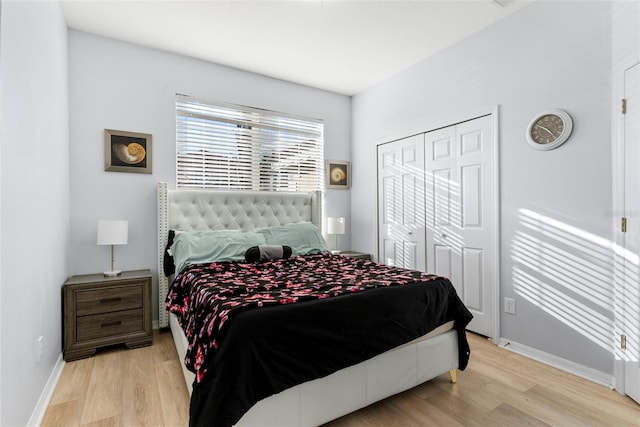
(226, 210)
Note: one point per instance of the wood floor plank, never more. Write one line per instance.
(73, 382)
(141, 392)
(105, 393)
(115, 421)
(420, 410)
(470, 391)
(463, 410)
(507, 416)
(500, 374)
(540, 410)
(171, 382)
(174, 396)
(163, 347)
(63, 414)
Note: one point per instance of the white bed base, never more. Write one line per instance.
(319, 401)
(324, 399)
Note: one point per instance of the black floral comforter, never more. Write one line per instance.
(346, 311)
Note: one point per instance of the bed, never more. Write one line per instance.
(330, 391)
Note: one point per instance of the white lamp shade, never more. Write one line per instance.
(113, 232)
(335, 225)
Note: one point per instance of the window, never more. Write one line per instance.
(229, 146)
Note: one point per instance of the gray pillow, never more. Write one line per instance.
(267, 252)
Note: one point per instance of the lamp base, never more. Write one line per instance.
(112, 273)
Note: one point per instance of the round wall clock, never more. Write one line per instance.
(549, 129)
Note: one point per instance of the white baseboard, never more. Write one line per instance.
(581, 371)
(45, 397)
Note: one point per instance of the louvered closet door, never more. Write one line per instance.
(401, 203)
(459, 209)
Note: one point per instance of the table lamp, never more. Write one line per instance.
(112, 232)
(335, 226)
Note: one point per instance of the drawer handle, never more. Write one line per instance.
(106, 325)
(108, 300)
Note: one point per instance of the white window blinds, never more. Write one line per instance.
(230, 146)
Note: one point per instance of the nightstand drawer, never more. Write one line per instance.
(108, 300)
(110, 324)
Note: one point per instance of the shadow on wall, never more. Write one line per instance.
(569, 273)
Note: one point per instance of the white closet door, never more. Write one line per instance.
(442, 205)
(459, 214)
(401, 203)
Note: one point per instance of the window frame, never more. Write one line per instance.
(273, 151)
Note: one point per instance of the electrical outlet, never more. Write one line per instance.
(39, 348)
(510, 305)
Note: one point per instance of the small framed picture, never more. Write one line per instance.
(338, 174)
(127, 151)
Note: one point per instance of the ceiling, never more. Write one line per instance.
(343, 46)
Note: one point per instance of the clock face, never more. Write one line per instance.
(549, 130)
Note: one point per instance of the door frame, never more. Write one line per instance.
(618, 209)
(494, 112)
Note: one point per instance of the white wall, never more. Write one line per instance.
(35, 199)
(128, 87)
(548, 55)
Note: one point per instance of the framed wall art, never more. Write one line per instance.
(338, 174)
(127, 151)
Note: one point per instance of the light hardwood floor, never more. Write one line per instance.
(121, 387)
(145, 387)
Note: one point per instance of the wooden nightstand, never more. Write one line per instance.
(101, 311)
(353, 254)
